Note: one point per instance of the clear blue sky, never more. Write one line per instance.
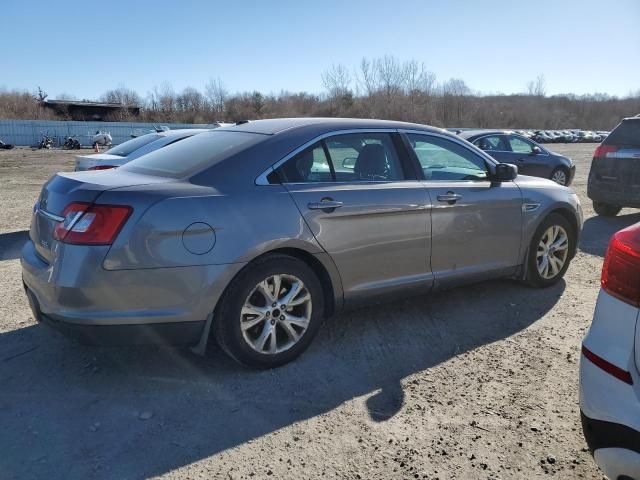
(84, 48)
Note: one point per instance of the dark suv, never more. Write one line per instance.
(614, 178)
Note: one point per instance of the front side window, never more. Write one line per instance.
(359, 157)
(494, 142)
(519, 145)
(442, 159)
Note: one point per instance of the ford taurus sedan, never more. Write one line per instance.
(254, 233)
(531, 158)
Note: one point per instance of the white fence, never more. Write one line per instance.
(30, 132)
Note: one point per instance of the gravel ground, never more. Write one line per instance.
(478, 382)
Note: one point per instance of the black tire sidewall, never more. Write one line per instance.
(606, 209)
(227, 317)
(533, 276)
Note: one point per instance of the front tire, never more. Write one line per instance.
(270, 312)
(550, 251)
(560, 176)
(606, 209)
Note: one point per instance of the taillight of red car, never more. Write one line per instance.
(621, 269)
(86, 224)
(603, 150)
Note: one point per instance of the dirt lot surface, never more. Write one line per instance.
(478, 382)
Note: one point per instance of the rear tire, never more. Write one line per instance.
(250, 323)
(549, 256)
(606, 209)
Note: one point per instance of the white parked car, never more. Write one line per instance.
(610, 363)
(131, 149)
(102, 139)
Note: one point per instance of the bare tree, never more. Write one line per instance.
(216, 95)
(337, 81)
(537, 87)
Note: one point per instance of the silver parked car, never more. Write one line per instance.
(254, 233)
(132, 149)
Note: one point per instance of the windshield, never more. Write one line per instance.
(193, 154)
(132, 145)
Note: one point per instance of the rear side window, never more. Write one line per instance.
(494, 142)
(627, 133)
(132, 145)
(193, 154)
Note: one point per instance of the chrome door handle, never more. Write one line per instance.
(324, 205)
(449, 197)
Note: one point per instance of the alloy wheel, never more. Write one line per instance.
(560, 177)
(552, 252)
(276, 314)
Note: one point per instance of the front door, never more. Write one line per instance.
(356, 194)
(476, 222)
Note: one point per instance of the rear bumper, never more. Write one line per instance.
(177, 333)
(601, 434)
(78, 297)
(609, 193)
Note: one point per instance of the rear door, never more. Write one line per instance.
(362, 201)
(476, 223)
(496, 146)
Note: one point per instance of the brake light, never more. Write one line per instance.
(602, 150)
(621, 269)
(86, 224)
(102, 167)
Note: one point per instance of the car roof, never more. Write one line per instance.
(466, 134)
(321, 125)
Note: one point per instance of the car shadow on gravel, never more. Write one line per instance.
(69, 411)
(11, 244)
(597, 231)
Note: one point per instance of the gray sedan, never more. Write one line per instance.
(253, 234)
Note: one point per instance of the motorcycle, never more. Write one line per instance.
(5, 146)
(46, 142)
(71, 144)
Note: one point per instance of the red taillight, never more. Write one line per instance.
(621, 269)
(608, 367)
(86, 224)
(602, 150)
(102, 167)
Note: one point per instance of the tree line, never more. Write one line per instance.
(383, 87)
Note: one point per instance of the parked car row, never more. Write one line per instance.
(564, 136)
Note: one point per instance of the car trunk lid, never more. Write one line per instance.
(65, 188)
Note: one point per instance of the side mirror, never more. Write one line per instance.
(536, 150)
(505, 172)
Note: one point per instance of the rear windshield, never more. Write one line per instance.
(627, 133)
(132, 145)
(193, 154)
